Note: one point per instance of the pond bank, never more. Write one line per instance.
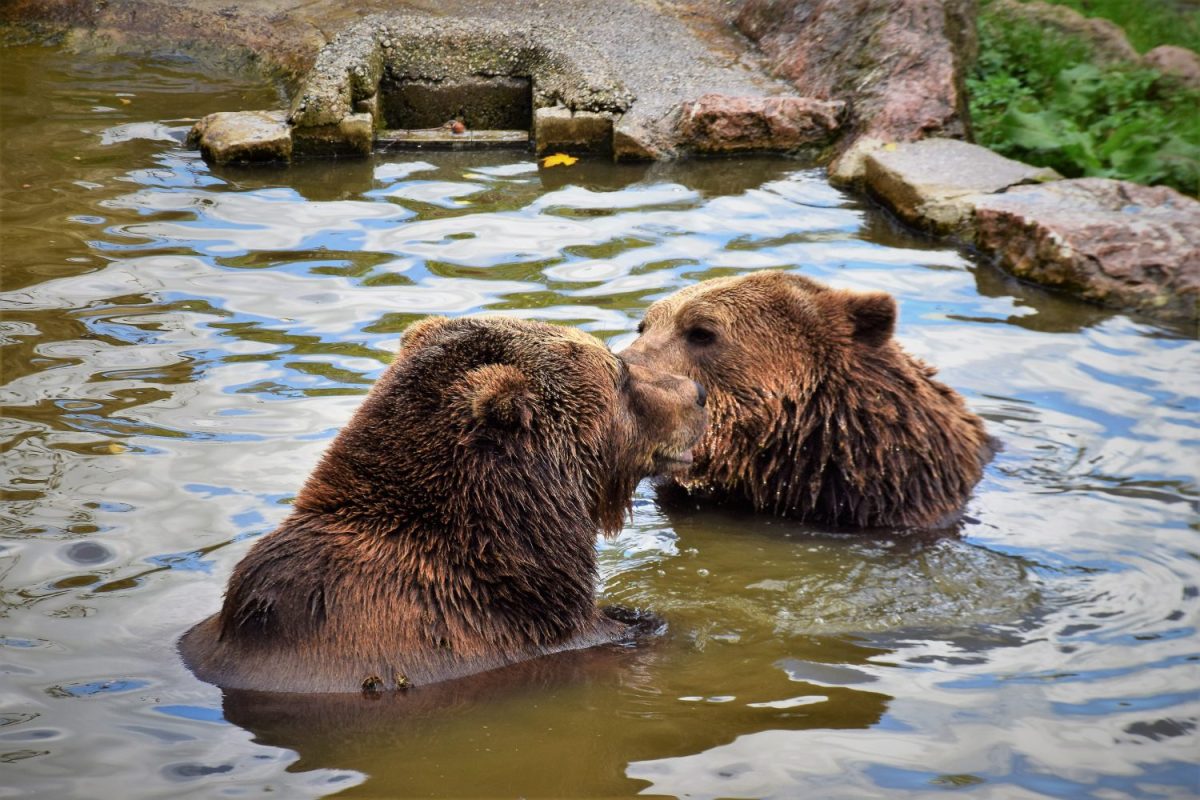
(685, 78)
(664, 55)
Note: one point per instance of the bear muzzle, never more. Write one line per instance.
(670, 416)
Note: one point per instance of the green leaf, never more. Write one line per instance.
(1033, 130)
(1111, 147)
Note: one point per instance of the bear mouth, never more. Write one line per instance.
(677, 463)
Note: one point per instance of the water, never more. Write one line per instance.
(181, 342)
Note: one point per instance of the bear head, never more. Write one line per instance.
(815, 411)
(507, 405)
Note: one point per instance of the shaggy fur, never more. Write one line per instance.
(815, 412)
(450, 527)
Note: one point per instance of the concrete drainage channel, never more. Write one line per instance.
(478, 112)
(393, 82)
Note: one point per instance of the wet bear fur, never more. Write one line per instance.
(450, 527)
(816, 413)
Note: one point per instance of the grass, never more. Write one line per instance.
(1039, 99)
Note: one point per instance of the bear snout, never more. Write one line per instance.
(686, 427)
(671, 416)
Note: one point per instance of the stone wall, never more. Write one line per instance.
(899, 65)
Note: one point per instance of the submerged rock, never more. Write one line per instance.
(243, 137)
(720, 124)
(1111, 242)
(899, 63)
(934, 184)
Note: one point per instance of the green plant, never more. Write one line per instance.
(1039, 99)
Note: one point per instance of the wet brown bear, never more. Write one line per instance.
(450, 527)
(815, 412)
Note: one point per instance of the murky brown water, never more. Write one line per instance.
(180, 343)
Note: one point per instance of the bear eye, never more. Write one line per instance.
(699, 336)
(641, 328)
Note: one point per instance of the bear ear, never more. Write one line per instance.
(501, 397)
(873, 315)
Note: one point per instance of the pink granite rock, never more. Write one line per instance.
(1112, 242)
(721, 124)
(899, 63)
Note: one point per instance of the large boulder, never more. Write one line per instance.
(721, 124)
(934, 184)
(1105, 39)
(1177, 62)
(900, 64)
(1112, 242)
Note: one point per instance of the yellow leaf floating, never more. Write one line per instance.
(558, 158)
(115, 448)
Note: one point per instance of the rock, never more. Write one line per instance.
(634, 141)
(352, 136)
(720, 124)
(934, 184)
(559, 128)
(900, 64)
(1111, 242)
(851, 165)
(1105, 39)
(1178, 62)
(243, 137)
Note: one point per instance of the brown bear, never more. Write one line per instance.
(450, 527)
(815, 413)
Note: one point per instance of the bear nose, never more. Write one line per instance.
(701, 395)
